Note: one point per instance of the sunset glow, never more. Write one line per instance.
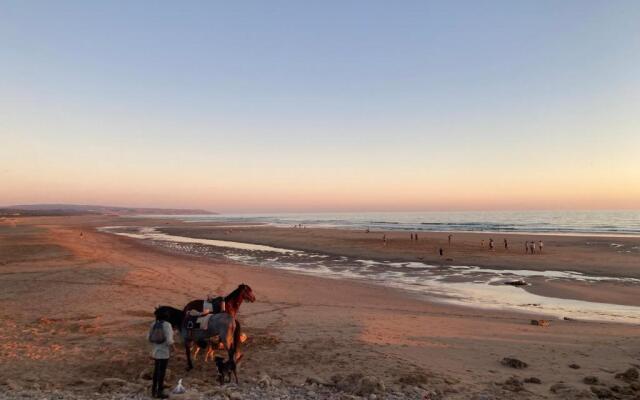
(327, 107)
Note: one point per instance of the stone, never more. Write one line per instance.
(369, 385)
(111, 384)
(629, 375)
(533, 380)
(569, 392)
(146, 374)
(264, 381)
(625, 390)
(358, 384)
(316, 380)
(514, 363)
(414, 379)
(513, 384)
(540, 322)
(601, 392)
(235, 396)
(591, 380)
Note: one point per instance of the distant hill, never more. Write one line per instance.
(82, 209)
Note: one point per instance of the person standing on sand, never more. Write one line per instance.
(532, 247)
(540, 244)
(491, 245)
(450, 237)
(506, 245)
(384, 239)
(412, 237)
(416, 237)
(526, 247)
(482, 243)
(441, 252)
(160, 352)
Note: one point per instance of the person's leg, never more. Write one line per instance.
(154, 383)
(162, 371)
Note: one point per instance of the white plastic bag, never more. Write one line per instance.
(179, 389)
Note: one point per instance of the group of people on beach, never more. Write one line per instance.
(531, 248)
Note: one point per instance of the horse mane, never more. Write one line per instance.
(235, 293)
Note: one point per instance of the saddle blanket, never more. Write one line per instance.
(197, 321)
(203, 321)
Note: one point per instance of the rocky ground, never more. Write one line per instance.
(354, 386)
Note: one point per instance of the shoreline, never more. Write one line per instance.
(564, 294)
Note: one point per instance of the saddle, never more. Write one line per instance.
(215, 305)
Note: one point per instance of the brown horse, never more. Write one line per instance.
(232, 301)
(232, 304)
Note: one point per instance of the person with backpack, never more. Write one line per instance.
(161, 338)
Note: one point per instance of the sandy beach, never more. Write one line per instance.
(76, 303)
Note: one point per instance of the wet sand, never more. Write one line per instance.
(593, 255)
(584, 254)
(75, 310)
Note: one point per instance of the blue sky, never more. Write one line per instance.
(284, 105)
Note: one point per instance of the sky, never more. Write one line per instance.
(266, 106)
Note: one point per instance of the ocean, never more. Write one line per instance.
(551, 222)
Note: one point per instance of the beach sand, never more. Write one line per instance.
(75, 310)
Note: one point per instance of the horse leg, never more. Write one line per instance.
(196, 350)
(210, 353)
(187, 350)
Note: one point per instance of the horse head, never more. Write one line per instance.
(247, 293)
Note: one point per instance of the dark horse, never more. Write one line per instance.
(232, 301)
(172, 315)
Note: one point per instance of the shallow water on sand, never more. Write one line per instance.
(461, 285)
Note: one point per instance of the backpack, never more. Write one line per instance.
(156, 335)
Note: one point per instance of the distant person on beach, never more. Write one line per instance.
(526, 247)
(384, 239)
(441, 252)
(491, 245)
(540, 245)
(482, 243)
(506, 245)
(532, 247)
(161, 338)
(412, 237)
(450, 237)
(416, 237)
